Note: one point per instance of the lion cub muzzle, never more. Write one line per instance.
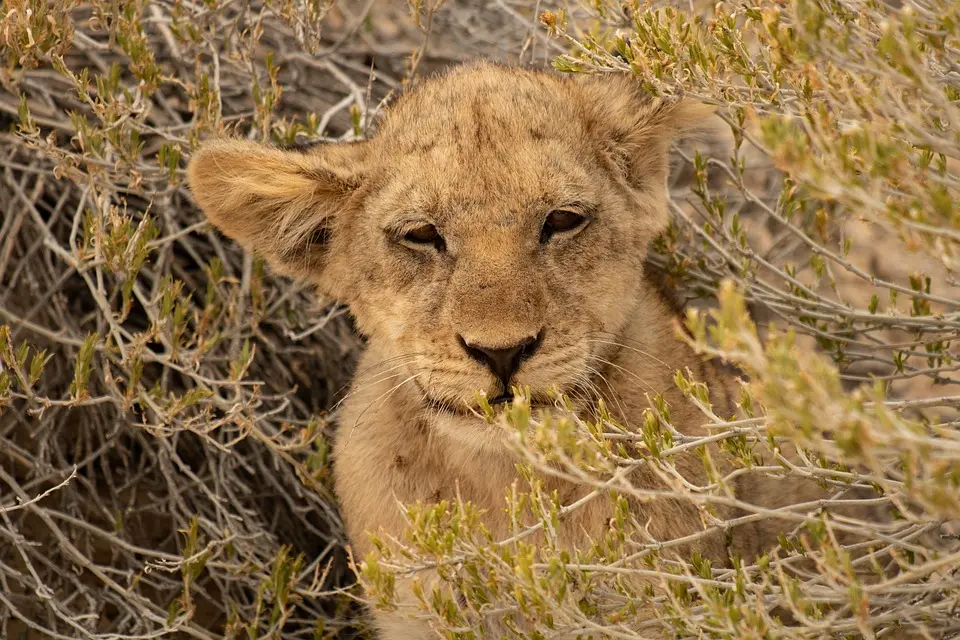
(503, 361)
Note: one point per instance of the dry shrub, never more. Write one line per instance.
(164, 426)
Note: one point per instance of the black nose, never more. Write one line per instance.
(503, 361)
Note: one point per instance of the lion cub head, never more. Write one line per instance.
(490, 235)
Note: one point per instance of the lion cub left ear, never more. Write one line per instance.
(289, 206)
(638, 128)
(681, 117)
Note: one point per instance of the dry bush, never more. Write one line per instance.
(164, 425)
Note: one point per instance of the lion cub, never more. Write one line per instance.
(492, 234)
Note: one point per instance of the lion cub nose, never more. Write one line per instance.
(503, 361)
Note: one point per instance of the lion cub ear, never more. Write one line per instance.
(287, 206)
(681, 117)
(638, 128)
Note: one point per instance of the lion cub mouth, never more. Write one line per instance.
(499, 404)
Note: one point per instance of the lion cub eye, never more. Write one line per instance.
(425, 234)
(561, 222)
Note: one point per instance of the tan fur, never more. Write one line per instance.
(484, 153)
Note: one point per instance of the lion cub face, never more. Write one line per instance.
(490, 235)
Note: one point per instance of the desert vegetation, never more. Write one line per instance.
(166, 403)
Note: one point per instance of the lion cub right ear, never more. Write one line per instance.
(288, 206)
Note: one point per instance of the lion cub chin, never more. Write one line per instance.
(490, 235)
